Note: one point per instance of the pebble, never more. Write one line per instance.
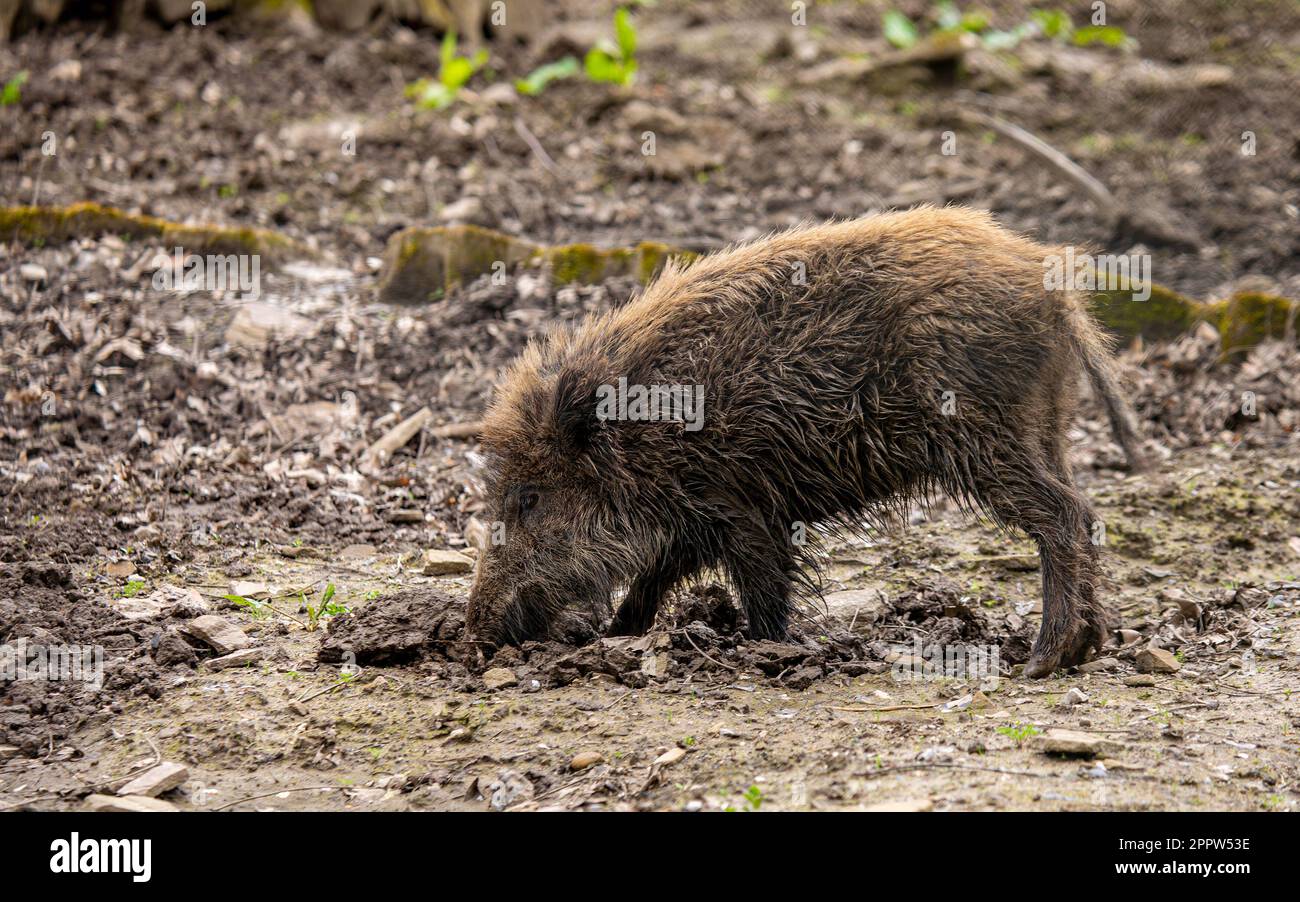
(32, 272)
(670, 757)
(127, 803)
(1156, 660)
(500, 678)
(1140, 679)
(584, 760)
(438, 562)
(1074, 744)
(157, 780)
(217, 632)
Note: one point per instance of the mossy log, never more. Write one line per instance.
(424, 264)
(42, 225)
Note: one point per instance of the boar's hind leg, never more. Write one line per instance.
(1024, 491)
(637, 612)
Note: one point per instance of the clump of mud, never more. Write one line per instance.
(700, 635)
(63, 658)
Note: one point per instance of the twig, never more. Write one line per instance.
(536, 147)
(269, 794)
(869, 710)
(458, 430)
(895, 768)
(1100, 194)
(703, 653)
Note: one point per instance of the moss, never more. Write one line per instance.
(1166, 314)
(39, 225)
(422, 264)
(1249, 317)
(583, 263)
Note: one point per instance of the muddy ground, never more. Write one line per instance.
(166, 457)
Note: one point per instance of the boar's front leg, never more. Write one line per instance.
(759, 561)
(637, 612)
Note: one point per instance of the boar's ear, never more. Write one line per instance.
(576, 425)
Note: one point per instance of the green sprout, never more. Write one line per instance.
(454, 70)
(13, 89)
(536, 81)
(1019, 732)
(615, 63)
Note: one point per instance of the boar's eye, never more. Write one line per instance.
(528, 499)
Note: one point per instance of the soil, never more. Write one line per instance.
(157, 466)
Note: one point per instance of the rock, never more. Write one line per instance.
(120, 569)
(584, 760)
(500, 678)
(358, 552)
(1139, 679)
(241, 658)
(670, 757)
(859, 606)
(467, 209)
(127, 803)
(656, 665)
(1100, 665)
(443, 562)
(510, 787)
(1156, 660)
(901, 805)
(1074, 744)
(1075, 696)
(157, 780)
(172, 649)
(32, 272)
(217, 632)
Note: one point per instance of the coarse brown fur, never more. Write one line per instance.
(919, 352)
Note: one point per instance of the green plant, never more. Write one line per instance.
(899, 30)
(536, 81)
(615, 63)
(256, 608)
(453, 71)
(1019, 732)
(13, 89)
(132, 588)
(327, 607)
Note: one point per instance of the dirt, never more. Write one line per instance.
(153, 461)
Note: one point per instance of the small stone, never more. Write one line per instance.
(172, 649)
(157, 780)
(217, 632)
(439, 562)
(68, 70)
(500, 678)
(1156, 660)
(1074, 744)
(127, 803)
(358, 552)
(1100, 665)
(1139, 679)
(239, 658)
(297, 708)
(1075, 696)
(33, 272)
(670, 757)
(467, 209)
(584, 760)
(655, 665)
(120, 569)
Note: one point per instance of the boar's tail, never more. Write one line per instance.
(1093, 349)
